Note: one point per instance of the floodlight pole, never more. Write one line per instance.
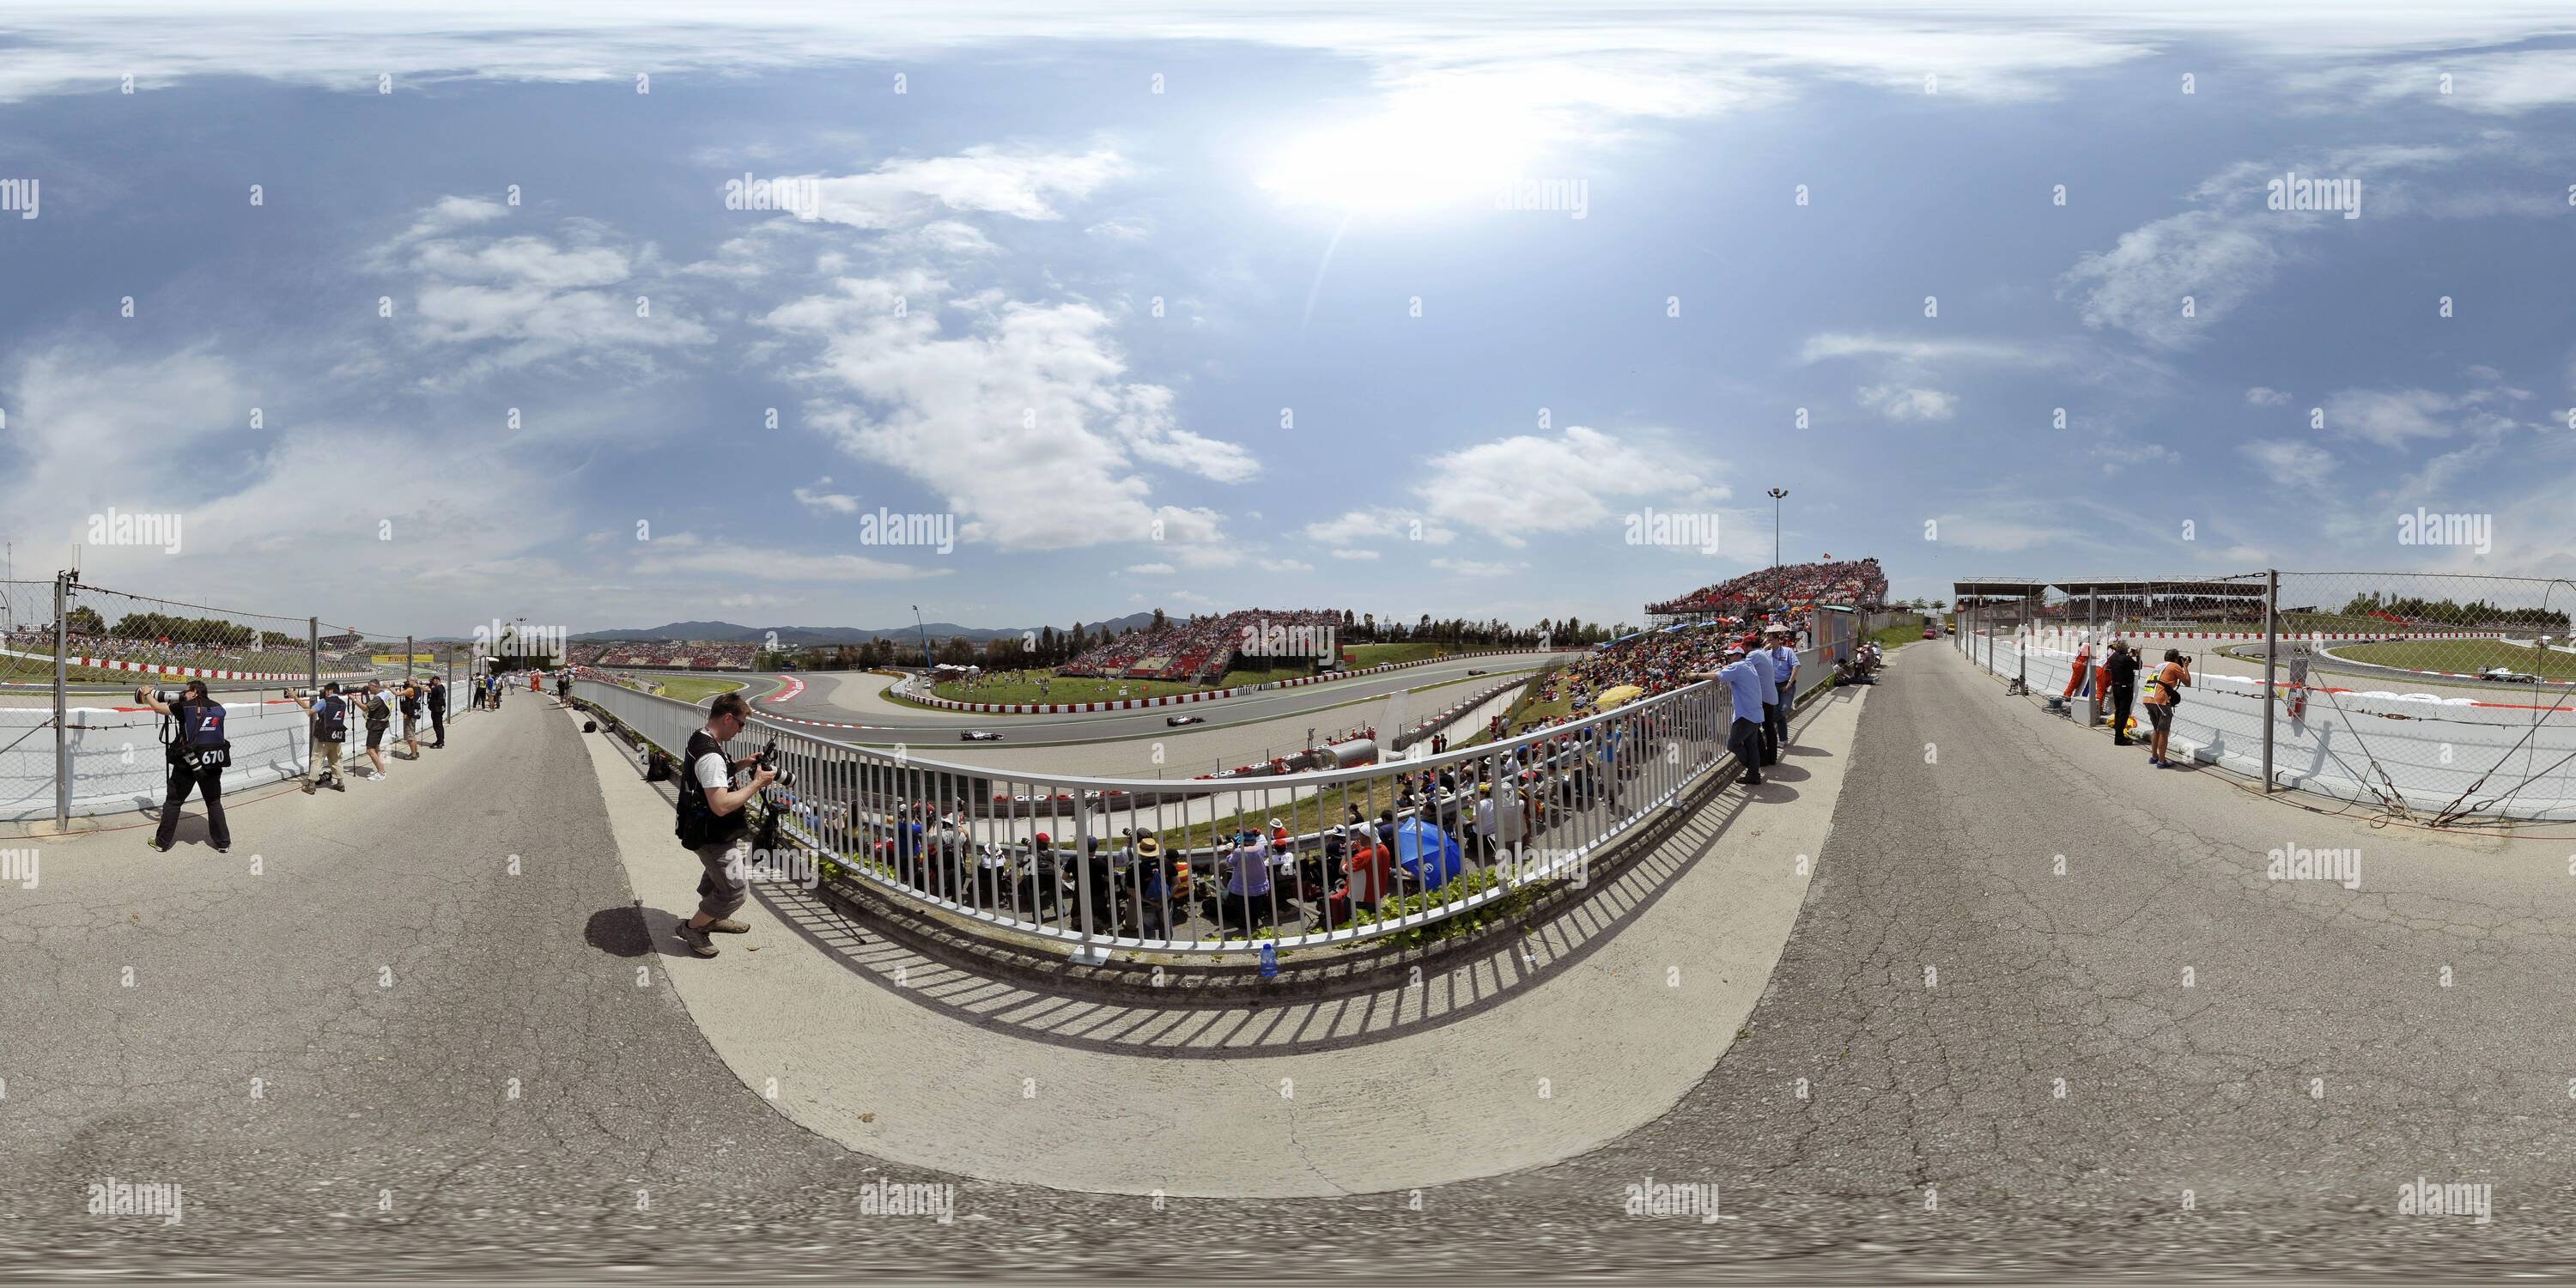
(1776, 494)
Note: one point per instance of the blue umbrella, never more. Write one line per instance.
(1430, 854)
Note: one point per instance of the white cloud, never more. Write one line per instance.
(1909, 404)
(2502, 83)
(730, 559)
(1151, 570)
(2391, 418)
(1022, 420)
(1355, 555)
(834, 502)
(2141, 283)
(986, 179)
(2291, 463)
(1529, 483)
(522, 300)
(2262, 397)
(1476, 568)
(1379, 525)
(1827, 345)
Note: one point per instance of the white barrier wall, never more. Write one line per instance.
(2430, 748)
(118, 764)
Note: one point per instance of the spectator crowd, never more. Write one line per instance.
(1855, 583)
(1202, 648)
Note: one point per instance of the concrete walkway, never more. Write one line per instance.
(1565, 1040)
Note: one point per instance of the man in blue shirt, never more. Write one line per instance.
(1745, 683)
(1784, 663)
(1762, 666)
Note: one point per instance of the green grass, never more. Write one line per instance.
(1891, 638)
(2463, 657)
(690, 688)
(1024, 686)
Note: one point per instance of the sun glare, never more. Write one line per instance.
(1403, 161)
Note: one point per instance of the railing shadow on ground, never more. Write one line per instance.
(1325, 1007)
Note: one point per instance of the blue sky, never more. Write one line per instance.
(1263, 337)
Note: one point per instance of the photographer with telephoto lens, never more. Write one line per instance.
(330, 714)
(197, 755)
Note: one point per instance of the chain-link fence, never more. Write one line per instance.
(75, 740)
(2442, 699)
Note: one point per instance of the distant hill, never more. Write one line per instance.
(797, 636)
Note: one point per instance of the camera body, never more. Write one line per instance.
(768, 760)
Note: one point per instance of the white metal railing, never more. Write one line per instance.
(1057, 856)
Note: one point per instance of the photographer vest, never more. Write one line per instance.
(698, 825)
(331, 720)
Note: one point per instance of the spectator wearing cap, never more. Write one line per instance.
(1784, 664)
(1246, 870)
(1154, 885)
(1767, 676)
(1744, 684)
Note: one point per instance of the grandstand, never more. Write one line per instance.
(1201, 649)
(1852, 583)
(673, 655)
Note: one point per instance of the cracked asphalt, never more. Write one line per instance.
(2251, 1068)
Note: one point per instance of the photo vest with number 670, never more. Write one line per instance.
(699, 825)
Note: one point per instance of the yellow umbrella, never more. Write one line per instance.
(1612, 697)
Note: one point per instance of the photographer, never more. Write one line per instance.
(196, 756)
(438, 710)
(330, 714)
(713, 824)
(371, 703)
(411, 716)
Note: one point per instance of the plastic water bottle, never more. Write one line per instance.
(1270, 961)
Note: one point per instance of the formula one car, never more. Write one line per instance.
(1177, 721)
(1475, 673)
(2507, 675)
(978, 735)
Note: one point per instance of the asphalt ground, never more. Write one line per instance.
(1872, 1121)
